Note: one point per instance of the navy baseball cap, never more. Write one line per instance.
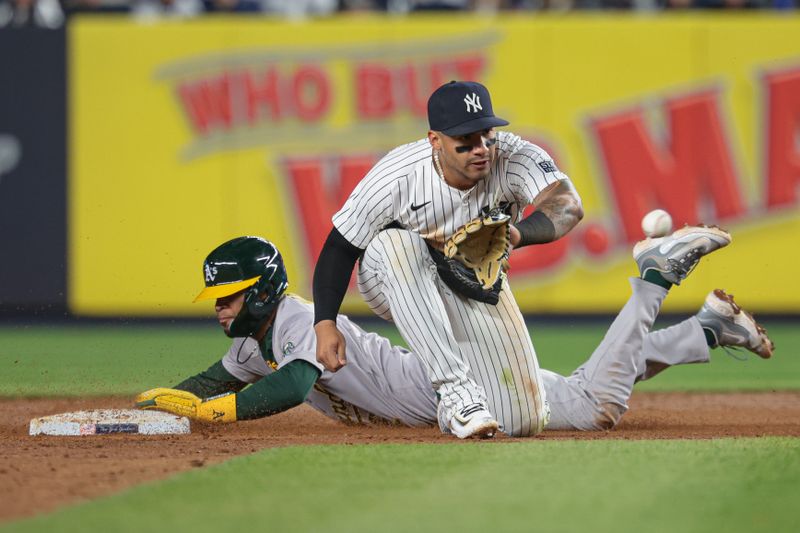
(461, 107)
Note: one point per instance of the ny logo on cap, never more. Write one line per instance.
(211, 272)
(474, 102)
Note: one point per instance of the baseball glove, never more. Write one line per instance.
(482, 246)
(183, 403)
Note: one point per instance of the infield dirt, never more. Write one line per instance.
(40, 474)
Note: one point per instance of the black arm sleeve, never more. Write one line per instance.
(276, 392)
(536, 229)
(332, 274)
(215, 380)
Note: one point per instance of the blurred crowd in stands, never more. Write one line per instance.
(53, 13)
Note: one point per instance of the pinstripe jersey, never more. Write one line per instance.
(403, 187)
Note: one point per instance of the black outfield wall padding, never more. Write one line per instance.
(33, 170)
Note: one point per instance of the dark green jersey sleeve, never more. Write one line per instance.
(216, 380)
(276, 392)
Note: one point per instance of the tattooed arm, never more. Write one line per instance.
(558, 210)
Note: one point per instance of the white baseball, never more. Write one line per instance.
(657, 223)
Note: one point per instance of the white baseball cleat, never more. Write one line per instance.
(676, 255)
(469, 422)
(733, 326)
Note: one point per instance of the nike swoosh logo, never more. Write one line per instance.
(420, 206)
(665, 248)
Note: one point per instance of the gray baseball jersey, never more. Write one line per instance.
(473, 352)
(382, 383)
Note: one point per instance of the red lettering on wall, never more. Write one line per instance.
(249, 97)
(207, 103)
(262, 93)
(312, 93)
(321, 186)
(384, 90)
(374, 99)
(418, 86)
(694, 168)
(783, 131)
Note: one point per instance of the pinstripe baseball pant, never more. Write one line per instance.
(473, 352)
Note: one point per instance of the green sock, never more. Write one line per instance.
(654, 276)
(711, 340)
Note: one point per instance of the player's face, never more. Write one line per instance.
(466, 159)
(228, 308)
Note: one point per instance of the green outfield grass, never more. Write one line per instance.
(101, 360)
(730, 485)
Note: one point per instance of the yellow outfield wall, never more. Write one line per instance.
(185, 134)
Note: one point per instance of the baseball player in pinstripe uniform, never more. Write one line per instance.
(399, 219)
(274, 347)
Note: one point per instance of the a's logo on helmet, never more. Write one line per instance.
(211, 272)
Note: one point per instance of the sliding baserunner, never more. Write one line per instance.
(271, 365)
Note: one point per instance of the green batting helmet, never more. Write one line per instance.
(252, 264)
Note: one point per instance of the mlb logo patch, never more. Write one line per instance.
(547, 166)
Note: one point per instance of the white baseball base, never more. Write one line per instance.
(110, 421)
